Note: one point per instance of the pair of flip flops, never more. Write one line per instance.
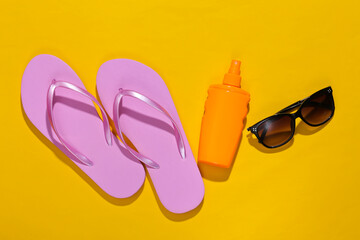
(136, 98)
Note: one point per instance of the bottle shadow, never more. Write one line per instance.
(214, 173)
(301, 128)
(65, 159)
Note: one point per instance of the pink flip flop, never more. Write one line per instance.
(56, 102)
(138, 101)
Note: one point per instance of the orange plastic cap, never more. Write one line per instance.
(233, 77)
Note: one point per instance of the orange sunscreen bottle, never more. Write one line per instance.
(223, 121)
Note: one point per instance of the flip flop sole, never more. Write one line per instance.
(177, 182)
(114, 170)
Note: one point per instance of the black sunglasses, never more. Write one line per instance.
(279, 128)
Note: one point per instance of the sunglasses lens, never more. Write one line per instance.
(318, 108)
(276, 130)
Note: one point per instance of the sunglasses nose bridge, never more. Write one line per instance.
(296, 115)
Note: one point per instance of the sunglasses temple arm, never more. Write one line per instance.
(316, 104)
(292, 106)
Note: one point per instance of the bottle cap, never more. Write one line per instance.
(233, 77)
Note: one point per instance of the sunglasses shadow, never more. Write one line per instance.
(304, 129)
(301, 128)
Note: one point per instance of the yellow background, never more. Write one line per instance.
(289, 49)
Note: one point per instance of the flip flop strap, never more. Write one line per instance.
(155, 105)
(50, 104)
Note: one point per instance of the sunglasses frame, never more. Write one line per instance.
(294, 116)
